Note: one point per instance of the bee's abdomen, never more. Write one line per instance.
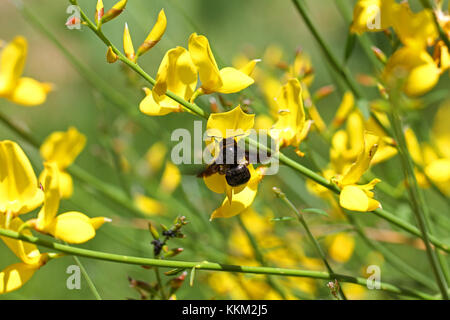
(237, 175)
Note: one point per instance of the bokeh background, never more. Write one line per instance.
(233, 27)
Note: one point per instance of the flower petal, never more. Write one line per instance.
(19, 192)
(235, 121)
(15, 276)
(12, 61)
(358, 168)
(50, 180)
(72, 227)
(27, 252)
(63, 147)
(29, 92)
(204, 60)
(233, 80)
(354, 198)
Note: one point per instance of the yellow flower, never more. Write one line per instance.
(16, 275)
(341, 247)
(373, 15)
(72, 226)
(226, 80)
(359, 197)
(291, 127)
(232, 124)
(178, 74)
(19, 191)
(414, 68)
(21, 90)
(434, 161)
(62, 148)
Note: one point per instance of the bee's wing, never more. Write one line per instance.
(210, 170)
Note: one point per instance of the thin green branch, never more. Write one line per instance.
(416, 196)
(87, 278)
(208, 265)
(260, 257)
(311, 237)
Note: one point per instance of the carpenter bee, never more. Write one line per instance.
(232, 162)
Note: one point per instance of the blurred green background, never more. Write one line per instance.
(232, 27)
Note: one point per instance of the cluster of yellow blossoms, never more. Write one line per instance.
(410, 66)
(20, 193)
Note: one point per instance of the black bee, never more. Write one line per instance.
(232, 162)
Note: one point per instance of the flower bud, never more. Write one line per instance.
(99, 11)
(114, 11)
(128, 44)
(153, 231)
(155, 34)
(111, 57)
(379, 54)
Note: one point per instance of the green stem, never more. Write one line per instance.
(311, 237)
(88, 278)
(208, 265)
(391, 257)
(260, 257)
(416, 196)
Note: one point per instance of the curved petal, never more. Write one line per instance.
(63, 147)
(12, 61)
(150, 107)
(358, 168)
(27, 252)
(19, 192)
(204, 60)
(50, 179)
(29, 92)
(15, 276)
(238, 204)
(233, 80)
(354, 198)
(72, 227)
(231, 123)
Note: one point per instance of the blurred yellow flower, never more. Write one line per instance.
(373, 15)
(21, 90)
(414, 29)
(19, 191)
(155, 156)
(178, 74)
(226, 80)
(291, 127)
(148, 205)
(412, 68)
(72, 227)
(435, 161)
(341, 247)
(171, 178)
(62, 148)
